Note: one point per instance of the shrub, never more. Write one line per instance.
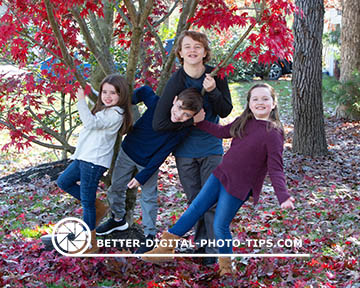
(348, 94)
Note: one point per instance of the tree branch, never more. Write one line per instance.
(147, 9)
(49, 131)
(41, 45)
(105, 66)
(67, 58)
(157, 23)
(157, 39)
(95, 27)
(188, 12)
(123, 16)
(132, 11)
(47, 145)
(223, 63)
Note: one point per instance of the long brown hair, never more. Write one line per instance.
(237, 128)
(196, 36)
(122, 89)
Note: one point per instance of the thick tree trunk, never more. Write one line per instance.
(350, 39)
(350, 49)
(309, 132)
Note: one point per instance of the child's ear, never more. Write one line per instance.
(175, 99)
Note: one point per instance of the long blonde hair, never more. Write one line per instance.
(238, 127)
(122, 89)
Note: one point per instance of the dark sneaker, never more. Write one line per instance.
(207, 261)
(46, 240)
(111, 225)
(147, 245)
(199, 250)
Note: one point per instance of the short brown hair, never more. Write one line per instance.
(196, 36)
(191, 100)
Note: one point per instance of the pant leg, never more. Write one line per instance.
(67, 181)
(122, 174)
(189, 174)
(193, 173)
(226, 210)
(205, 226)
(207, 197)
(190, 178)
(149, 203)
(90, 175)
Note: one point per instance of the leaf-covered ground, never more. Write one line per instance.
(325, 224)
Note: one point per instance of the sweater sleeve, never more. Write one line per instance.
(162, 115)
(144, 94)
(274, 146)
(160, 156)
(220, 98)
(216, 130)
(111, 117)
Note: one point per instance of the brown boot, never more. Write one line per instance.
(225, 266)
(101, 211)
(93, 248)
(166, 245)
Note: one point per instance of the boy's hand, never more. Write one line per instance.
(209, 83)
(133, 184)
(289, 203)
(200, 116)
(80, 93)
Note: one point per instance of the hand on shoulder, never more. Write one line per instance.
(200, 116)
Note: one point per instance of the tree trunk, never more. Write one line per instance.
(350, 49)
(350, 39)
(309, 132)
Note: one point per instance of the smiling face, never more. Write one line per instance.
(109, 96)
(178, 114)
(192, 51)
(261, 103)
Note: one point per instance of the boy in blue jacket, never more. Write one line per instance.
(143, 150)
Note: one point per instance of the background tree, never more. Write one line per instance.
(309, 132)
(350, 56)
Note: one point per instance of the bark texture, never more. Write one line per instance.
(309, 132)
(350, 49)
(350, 39)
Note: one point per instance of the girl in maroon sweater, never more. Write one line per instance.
(256, 149)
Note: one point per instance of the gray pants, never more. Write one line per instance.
(122, 174)
(193, 173)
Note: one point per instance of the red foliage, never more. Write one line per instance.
(26, 47)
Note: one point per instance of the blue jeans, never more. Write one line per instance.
(227, 205)
(89, 176)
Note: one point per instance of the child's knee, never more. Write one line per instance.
(219, 229)
(61, 183)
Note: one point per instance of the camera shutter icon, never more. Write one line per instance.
(71, 236)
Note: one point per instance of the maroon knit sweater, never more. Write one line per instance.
(249, 158)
